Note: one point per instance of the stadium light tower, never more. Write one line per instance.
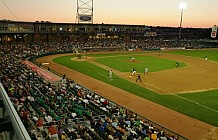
(182, 6)
(84, 11)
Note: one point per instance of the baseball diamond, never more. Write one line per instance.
(171, 83)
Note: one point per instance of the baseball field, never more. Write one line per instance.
(183, 99)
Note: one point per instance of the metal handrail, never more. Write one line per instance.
(17, 124)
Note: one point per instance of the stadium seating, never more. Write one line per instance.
(85, 116)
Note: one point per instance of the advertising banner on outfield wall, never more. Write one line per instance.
(214, 31)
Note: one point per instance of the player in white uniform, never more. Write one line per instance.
(146, 70)
(110, 74)
(133, 71)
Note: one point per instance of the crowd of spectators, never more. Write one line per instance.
(113, 45)
(68, 110)
(143, 44)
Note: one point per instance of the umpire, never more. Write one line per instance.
(138, 78)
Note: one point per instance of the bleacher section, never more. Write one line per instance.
(68, 110)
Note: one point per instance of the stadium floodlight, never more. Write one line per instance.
(182, 6)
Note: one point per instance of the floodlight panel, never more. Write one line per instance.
(183, 5)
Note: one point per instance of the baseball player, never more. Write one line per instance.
(110, 74)
(146, 70)
(138, 78)
(177, 64)
(133, 71)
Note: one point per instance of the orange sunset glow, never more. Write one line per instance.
(199, 13)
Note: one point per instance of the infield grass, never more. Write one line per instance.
(178, 103)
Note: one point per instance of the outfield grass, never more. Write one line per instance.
(123, 64)
(209, 98)
(114, 54)
(211, 54)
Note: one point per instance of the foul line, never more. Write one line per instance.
(184, 98)
(102, 75)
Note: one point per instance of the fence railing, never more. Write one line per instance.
(19, 129)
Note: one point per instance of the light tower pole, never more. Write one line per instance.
(84, 11)
(182, 6)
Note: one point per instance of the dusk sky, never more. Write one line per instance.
(199, 13)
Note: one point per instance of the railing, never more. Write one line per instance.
(19, 129)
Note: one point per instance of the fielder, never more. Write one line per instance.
(133, 71)
(132, 59)
(110, 74)
(206, 58)
(177, 64)
(146, 70)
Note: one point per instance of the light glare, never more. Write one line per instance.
(182, 5)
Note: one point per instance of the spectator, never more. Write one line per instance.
(39, 123)
(52, 130)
